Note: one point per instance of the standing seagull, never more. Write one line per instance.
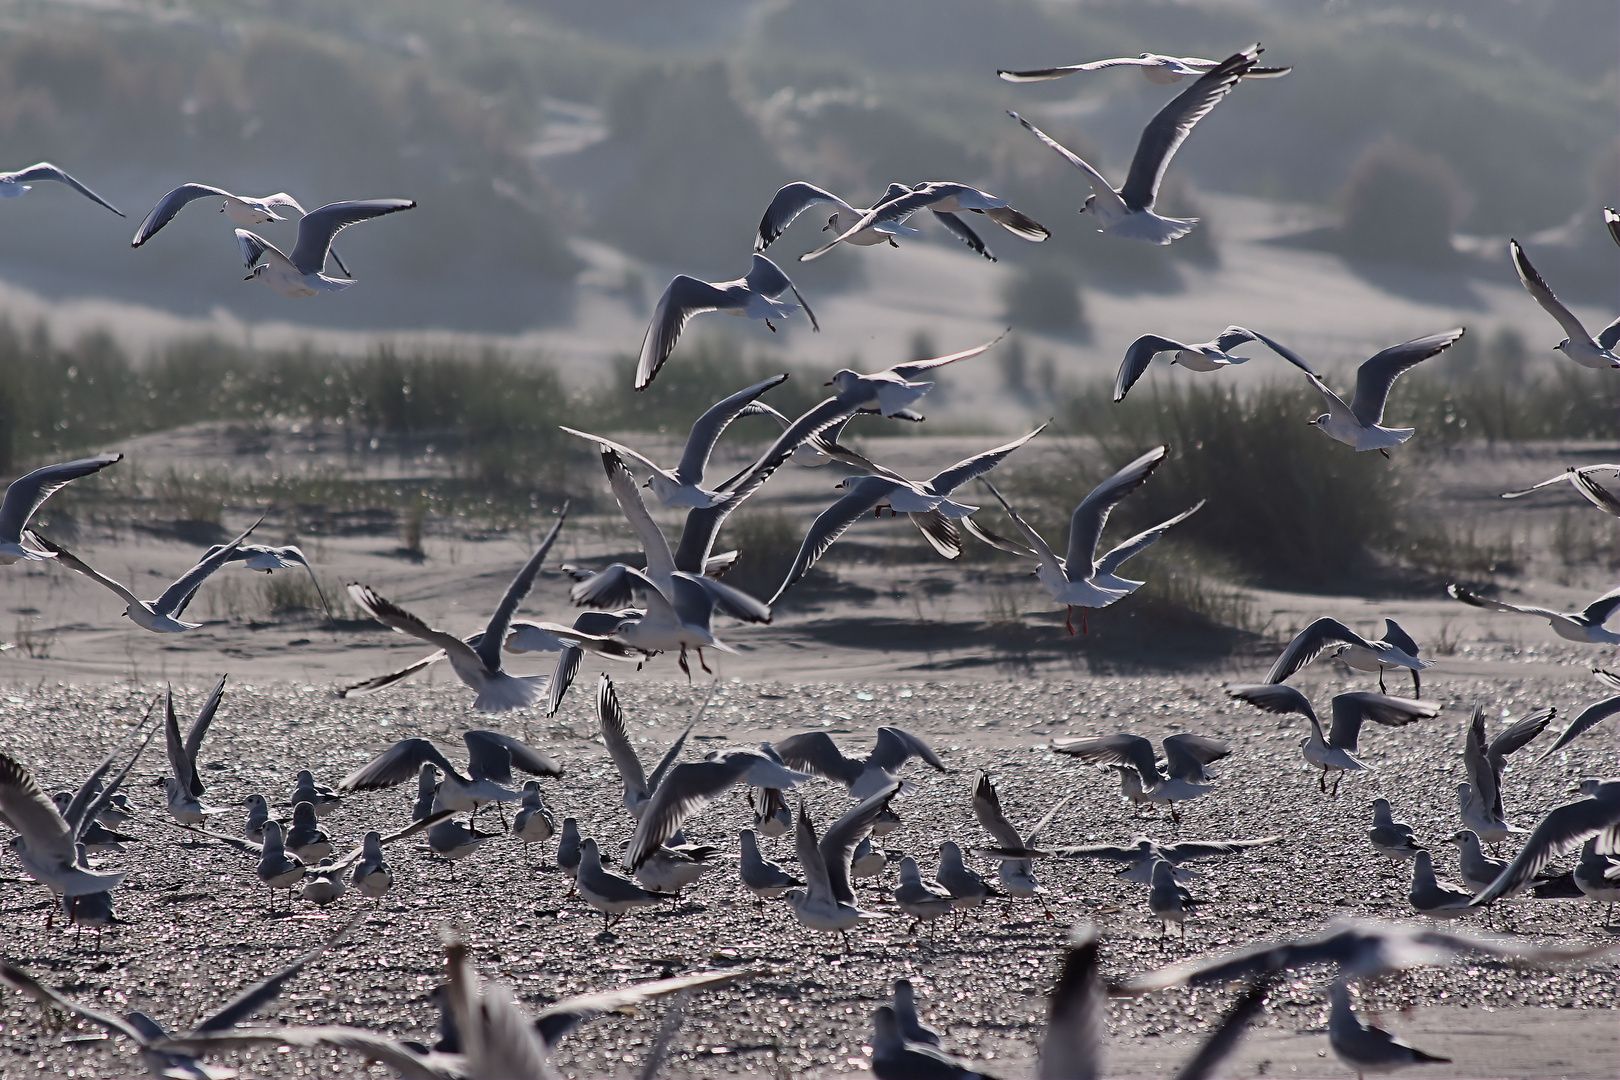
(1589, 717)
(300, 274)
(14, 185)
(1203, 356)
(1578, 346)
(241, 209)
(184, 786)
(1337, 751)
(1396, 649)
(753, 296)
(1160, 70)
(25, 495)
(760, 876)
(479, 666)
(161, 616)
(1128, 212)
(1429, 896)
(816, 753)
(1585, 626)
(939, 196)
(1017, 876)
(1364, 1047)
(1081, 580)
(1390, 837)
(1480, 799)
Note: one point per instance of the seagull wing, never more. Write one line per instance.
(912, 368)
(1273, 698)
(610, 714)
(1143, 540)
(689, 787)
(66, 558)
(397, 764)
(815, 752)
(46, 171)
(1516, 737)
(789, 202)
(1350, 710)
(995, 539)
(91, 794)
(317, 228)
(1602, 609)
(1394, 635)
(1595, 493)
(1609, 336)
(712, 424)
(1473, 599)
(253, 246)
(24, 983)
(898, 208)
(170, 205)
(1611, 221)
(1169, 129)
(199, 729)
(1563, 829)
(264, 991)
(1039, 547)
(1589, 717)
(1186, 755)
(192, 579)
(28, 810)
(660, 562)
(684, 298)
(401, 621)
(896, 746)
(490, 753)
(733, 602)
(181, 764)
(964, 232)
(1283, 351)
(1043, 74)
(1100, 187)
(1234, 1024)
(987, 808)
(27, 492)
(1076, 1014)
(1087, 522)
(617, 447)
(378, 682)
(833, 522)
(555, 1021)
(1137, 359)
(489, 647)
(1481, 777)
(845, 835)
(1543, 295)
(766, 279)
(944, 482)
(1209, 849)
(1130, 750)
(1377, 375)
(1232, 337)
(1310, 643)
(673, 753)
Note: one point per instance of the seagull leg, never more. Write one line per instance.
(1068, 619)
(1044, 906)
(1336, 780)
(1321, 781)
(1381, 450)
(1381, 689)
(892, 243)
(773, 330)
(1417, 685)
(704, 664)
(1084, 629)
(685, 666)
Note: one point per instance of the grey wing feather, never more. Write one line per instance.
(1209, 849)
(317, 228)
(1087, 522)
(610, 714)
(568, 662)
(788, 203)
(690, 786)
(1137, 360)
(1169, 129)
(188, 583)
(1598, 611)
(1394, 635)
(489, 648)
(1542, 293)
(25, 983)
(832, 523)
(1609, 336)
(912, 368)
(518, 755)
(1563, 829)
(1378, 374)
(895, 746)
(262, 992)
(1285, 352)
(398, 763)
(1131, 750)
(46, 171)
(666, 762)
(815, 752)
(1273, 698)
(253, 246)
(1351, 710)
(1518, 735)
(845, 835)
(948, 480)
(170, 205)
(1589, 717)
(199, 726)
(1196, 748)
(712, 424)
(964, 232)
(1143, 540)
(185, 770)
(1223, 1041)
(685, 298)
(734, 602)
(987, 808)
(996, 540)
(25, 494)
(378, 682)
(1311, 642)
(1071, 1048)
(1232, 337)
(611, 587)
(1595, 493)
(555, 1021)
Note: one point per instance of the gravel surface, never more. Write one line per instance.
(199, 927)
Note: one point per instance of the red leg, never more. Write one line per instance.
(703, 664)
(1084, 629)
(1068, 619)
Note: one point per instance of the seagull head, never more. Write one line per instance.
(1090, 199)
(1320, 420)
(842, 378)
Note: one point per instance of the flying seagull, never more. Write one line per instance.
(1578, 346)
(491, 757)
(692, 785)
(1480, 798)
(1395, 650)
(795, 198)
(827, 902)
(1585, 626)
(1580, 478)
(161, 616)
(184, 787)
(1589, 717)
(46, 844)
(1336, 751)
(1128, 212)
(14, 185)
(265, 559)
(1183, 777)
(753, 296)
(1201, 356)
(300, 274)
(1160, 70)
(894, 390)
(940, 196)
(816, 753)
(243, 210)
(25, 495)
(1564, 828)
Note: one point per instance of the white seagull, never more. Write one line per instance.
(638, 787)
(491, 757)
(1395, 650)
(300, 274)
(1480, 799)
(1183, 778)
(1336, 751)
(1367, 1048)
(692, 785)
(940, 196)
(1160, 70)
(816, 753)
(46, 843)
(794, 199)
(243, 210)
(24, 496)
(1128, 212)
(1585, 626)
(894, 390)
(265, 559)
(161, 616)
(184, 787)
(1564, 828)
(1589, 717)
(14, 185)
(1081, 580)
(1017, 876)
(1580, 478)
(827, 902)
(753, 296)
(1200, 356)
(1578, 346)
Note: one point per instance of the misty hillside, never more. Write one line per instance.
(662, 130)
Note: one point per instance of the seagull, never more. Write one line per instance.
(1338, 750)
(867, 861)
(596, 629)
(533, 823)
(683, 485)
(491, 757)
(1128, 212)
(1395, 649)
(753, 296)
(1017, 876)
(1167, 900)
(1585, 626)
(1589, 717)
(1390, 837)
(692, 785)
(161, 1059)
(827, 902)
(14, 185)
(1431, 897)
(161, 616)
(1578, 346)
(1478, 869)
(912, 1029)
(1359, 424)
(922, 901)
(265, 559)
(1184, 777)
(612, 895)
(638, 789)
(300, 274)
(939, 196)
(1365, 1047)
(928, 502)
(1160, 70)
(306, 838)
(1580, 478)
(323, 884)
(24, 497)
(478, 666)
(1595, 814)
(321, 797)
(371, 875)
(452, 840)
(794, 199)
(1480, 798)
(967, 886)
(772, 816)
(1141, 856)
(1098, 586)
(1597, 875)
(1203, 356)
(815, 752)
(895, 1057)
(184, 786)
(427, 789)
(894, 390)
(760, 876)
(568, 844)
(241, 209)
(46, 843)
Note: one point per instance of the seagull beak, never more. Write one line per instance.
(248, 278)
(827, 383)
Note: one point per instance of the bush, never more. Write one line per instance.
(1045, 297)
(703, 370)
(1400, 206)
(767, 542)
